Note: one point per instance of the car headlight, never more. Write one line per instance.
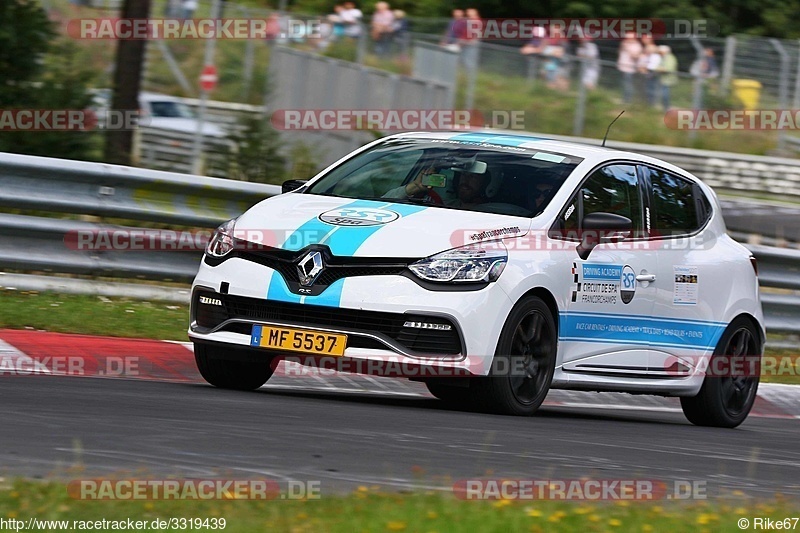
(473, 263)
(222, 242)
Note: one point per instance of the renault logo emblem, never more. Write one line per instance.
(309, 268)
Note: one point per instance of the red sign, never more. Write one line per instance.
(208, 78)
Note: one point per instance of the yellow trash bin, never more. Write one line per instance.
(747, 92)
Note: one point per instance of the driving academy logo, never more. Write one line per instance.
(347, 216)
(596, 283)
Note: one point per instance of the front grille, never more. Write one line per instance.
(422, 341)
(335, 267)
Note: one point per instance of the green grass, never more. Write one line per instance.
(93, 315)
(367, 509)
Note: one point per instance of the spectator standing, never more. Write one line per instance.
(400, 35)
(710, 67)
(629, 51)
(454, 28)
(555, 66)
(335, 18)
(534, 49)
(469, 39)
(590, 56)
(351, 19)
(668, 69)
(188, 7)
(382, 28)
(172, 8)
(273, 28)
(652, 62)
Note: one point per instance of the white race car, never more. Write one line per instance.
(493, 267)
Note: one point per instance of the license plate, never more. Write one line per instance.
(298, 340)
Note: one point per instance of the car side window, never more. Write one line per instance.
(679, 206)
(610, 189)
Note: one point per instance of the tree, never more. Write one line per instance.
(256, 151)
(127, 82)
(38, 72)
(25, 35)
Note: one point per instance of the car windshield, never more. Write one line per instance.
(170, 109)
(467, 175)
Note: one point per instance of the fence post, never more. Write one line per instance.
(471, 66)
(247, 73)
(361, 45)
(796, 98)
(727, 64)
(197, 148)
(580, 107)
(783, 87)
(533, 69)
(697, 82)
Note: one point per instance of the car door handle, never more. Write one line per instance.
(646, 277)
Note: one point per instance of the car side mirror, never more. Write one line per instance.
(596, 227)
(292, 185)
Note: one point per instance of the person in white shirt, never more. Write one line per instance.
(629, 51)
(188, 8)
(652, 62)
(351, 18)
(590, 57)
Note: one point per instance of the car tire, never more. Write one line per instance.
(523, 364)
(222, 368)
(725, 401)
(449, 393)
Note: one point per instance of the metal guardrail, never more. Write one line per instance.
(32, 243)
(43, 245)
(66, 186)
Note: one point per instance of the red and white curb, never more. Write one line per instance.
(36, 353)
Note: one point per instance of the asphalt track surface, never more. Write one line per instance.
(117, 427)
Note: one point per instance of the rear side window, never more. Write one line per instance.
(679, 206)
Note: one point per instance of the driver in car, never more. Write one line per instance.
(471, 189)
